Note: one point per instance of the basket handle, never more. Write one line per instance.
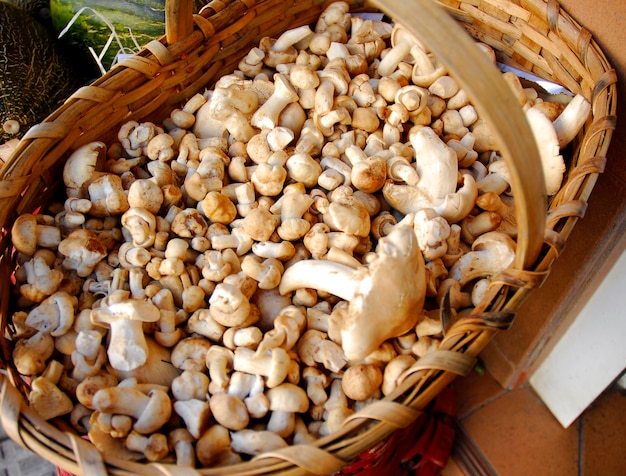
(178, 20)
(495, 103)
(490, 94)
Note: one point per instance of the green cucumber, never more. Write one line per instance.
(107, 28)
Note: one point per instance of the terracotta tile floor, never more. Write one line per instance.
(510, 433)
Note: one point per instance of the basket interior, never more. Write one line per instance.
(531, 35)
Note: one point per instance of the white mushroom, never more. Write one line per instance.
(437, 167)
(491, 253)
(254, 442)
(150, 411)
(125, 317)
(82, 251)
(552, 162)
(27, 234)
(571, 119)
(81, 167)
(286, 400)
(395, 280)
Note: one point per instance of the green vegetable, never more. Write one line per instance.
(35, 75)
(109, 27)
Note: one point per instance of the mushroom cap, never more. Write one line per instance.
(229, 411)
(81, 165)
(288, 397)
(128, 309)
(156, 414)
(361, 381)
(394, 281)
(23, 234)
(348, 214)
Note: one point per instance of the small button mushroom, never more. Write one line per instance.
(348, 214)
(274, 365)
(570, 121)
(252, 64)
(286, 400)
(304, 169)
(289, 323)
(107, 196)
(54, 315)
(267, 116)
(445, 87)
(125, 317)
(505, 208)
(283, 250)
(242, 337)
(153, 447)
(81, 167)
(316, 384)
(229, 306)
(336, 409)
(195, 413)
(396, 275)
(48, 400)
(311, 139)
(229, 411)
(181, 443)
(41, 280)
(368, 173)
(293, 205)
(472, 226)
(82, 251)
(491, 253)
(281, 50)
(267, 272)
(189, 223)
(218, 208)
(190, 384)
(27, 234)
(160, 147)
(141, 224)
(219, 361)
(117, 426)
(269, 177)
(254, 442)
(313, 347)
(151, 411)
(432, 232)
(394, 370)
(259, 224)
(145, 193)
(190, 353)
(360, 381)
(31, 354)
(450, 289)
(213, 445)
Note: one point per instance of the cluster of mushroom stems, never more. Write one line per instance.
(273, 256)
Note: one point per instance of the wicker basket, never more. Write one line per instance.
(534, 35)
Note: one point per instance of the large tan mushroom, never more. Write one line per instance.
(394, 281)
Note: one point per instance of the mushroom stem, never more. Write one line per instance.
(571, 120)
(331, 277)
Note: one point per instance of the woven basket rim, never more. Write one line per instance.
(554, 46)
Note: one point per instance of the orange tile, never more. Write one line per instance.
(519, 436)
(452, 469)
(603, 431)
(474, 391)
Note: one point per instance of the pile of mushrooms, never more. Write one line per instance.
(274, 255)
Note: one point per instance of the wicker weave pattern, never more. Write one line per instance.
(533, 34)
